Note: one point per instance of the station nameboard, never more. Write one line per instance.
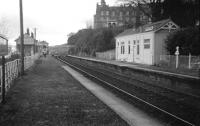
(3, 46)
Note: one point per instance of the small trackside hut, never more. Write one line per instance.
(30, 44)
(145, 44)
(43, 47)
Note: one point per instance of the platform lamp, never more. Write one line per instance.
(3, 52)
(21, 36)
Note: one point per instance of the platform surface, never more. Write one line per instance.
(132, 115)
(193, 74)
(49, 96)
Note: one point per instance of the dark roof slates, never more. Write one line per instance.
(156, 25)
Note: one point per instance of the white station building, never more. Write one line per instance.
(145, 44)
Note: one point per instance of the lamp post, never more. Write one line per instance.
(22, 37)
(177, 54)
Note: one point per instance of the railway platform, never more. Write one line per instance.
(183, 83)
(169, 97)
(49, 96)
(187, 74)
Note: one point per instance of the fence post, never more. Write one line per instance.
(199, 72)
(177, 54)
(3, 80)
(18, 68)
(189, 62)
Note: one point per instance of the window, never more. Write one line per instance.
(127, 13)
(146, 43)
(129, 49)
(134, 42)
(109, 25)
(120, 14)
(113, 13)
(107, 12)
(133, 19)
(122, 49)
(138, 47)
(133, 13)
(127, 19)
(102, 13)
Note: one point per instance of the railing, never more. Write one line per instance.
(29, 61)
(12, 71)
(183, 62)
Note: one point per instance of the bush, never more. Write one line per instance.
(187, 39)
(13, 57)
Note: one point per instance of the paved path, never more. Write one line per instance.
(49, 96)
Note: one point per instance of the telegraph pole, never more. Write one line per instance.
(22, 36)
(35, 32)
(3, 80)
(35, 45)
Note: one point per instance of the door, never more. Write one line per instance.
(133, 53)
(147, 55)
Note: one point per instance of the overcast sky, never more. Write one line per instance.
(54, 19)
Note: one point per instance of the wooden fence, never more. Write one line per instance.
(108, 55)
(12, 71)
(181, 62)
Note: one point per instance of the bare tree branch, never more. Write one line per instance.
(147, 7)
(141, 4)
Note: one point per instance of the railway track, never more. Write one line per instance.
(168, 103)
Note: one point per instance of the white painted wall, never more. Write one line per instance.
(160, 45)
(145, 56)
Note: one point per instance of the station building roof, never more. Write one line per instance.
(149, 27)
(28, 40)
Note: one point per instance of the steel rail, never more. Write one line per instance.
(187, 94)
(133, 96)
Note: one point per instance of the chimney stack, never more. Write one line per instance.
(28, 32)
(35, 32)
(32, 35)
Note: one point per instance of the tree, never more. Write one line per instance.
(187, 39)
(88, 24)
(151, 8)
(89, 41)
(184, 12)
(70, 34)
